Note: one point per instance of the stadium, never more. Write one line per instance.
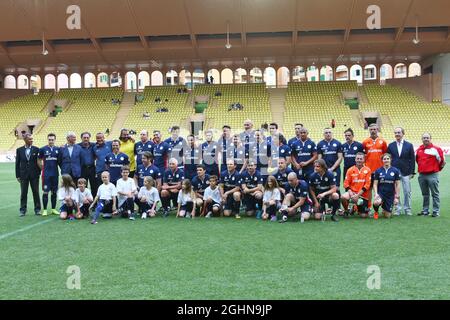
(153, 76)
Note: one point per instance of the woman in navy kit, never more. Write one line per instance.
(386, 187)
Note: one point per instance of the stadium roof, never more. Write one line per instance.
(133, 34)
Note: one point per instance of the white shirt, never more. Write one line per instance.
(151, 195)
(106, 191)
(212, 194)
(70, 148)
(81, 196)
(184, 198)
(400, 147)
(272, 195)
(125, 186)
(63, 193)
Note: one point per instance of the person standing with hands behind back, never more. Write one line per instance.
(27, 173)
(430, 161)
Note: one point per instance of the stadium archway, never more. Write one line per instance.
(414, 70)
(270, 77)
(400, 71)
(89, 80)
(10, 82)
(256, 75)
(115, 79)
(198, 76)
(240, 76)
(143, 80)
(62, 81)
(172, 77)
(226, 76)
(342, 73)
(157, 78)
(75, 81)
(385, 72)
(49, 82)
(35, 82)
(356, 73)
(326, 73)
(215, 74)
(23, 82)
(283, 75)
(312, 74)
(130, 81)
(370, 72)
(102, 80)
(298, 74)
(185, 78)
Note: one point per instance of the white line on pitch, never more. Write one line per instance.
(10, 234)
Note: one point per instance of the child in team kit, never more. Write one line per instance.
(186, 200)
(83, 199)
(105, 199)
(66, 194)
(126, 190)
(212, 198)
(271, 199)
(148, 198)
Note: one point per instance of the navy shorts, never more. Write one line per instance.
(50, 184)
(249, 202)
(187, 207)
(65, 208)
(229, 203)
(388, 202)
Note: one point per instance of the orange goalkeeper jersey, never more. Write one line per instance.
(374, 149)
(356, 180)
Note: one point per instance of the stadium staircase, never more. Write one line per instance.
(177, 110)
(126, 106)
(277, 99)
(22, 111)
(253, 96)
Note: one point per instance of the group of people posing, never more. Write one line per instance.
(256, 172)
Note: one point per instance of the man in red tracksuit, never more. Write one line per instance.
(430, 160)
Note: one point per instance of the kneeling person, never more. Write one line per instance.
(171, 186)
(126, 189)
(186, 200)
(230, 190)
(296, 199)
(357, 186)
(148, 198)
(200, 182)
(83, 199)
(212, 198)
(322, 184)
(105, 199)
(386, 187)
(252, 189)
(66, 194)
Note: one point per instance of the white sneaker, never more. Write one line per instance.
(208, 215)
(144, 215)
(397, 214)
(302, 218)
(409, 214)
(187, 216)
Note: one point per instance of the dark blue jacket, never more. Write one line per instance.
(404, 162)
(71, 165)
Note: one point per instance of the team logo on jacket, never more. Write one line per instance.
(309, 147)
(392, 174)
(355, 148)
(151, 171)
(334, 145)
(121, 158)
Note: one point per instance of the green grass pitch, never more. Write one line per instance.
(222, 258)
